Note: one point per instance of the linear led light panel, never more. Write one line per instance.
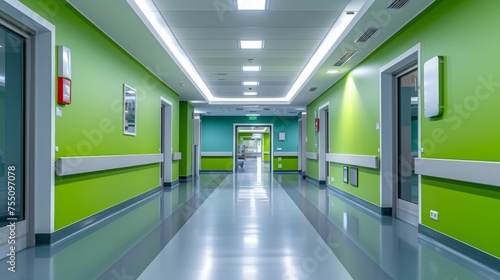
(250, 83)
(250, 68)
(250, 93)
(251, 5)
(251, 44)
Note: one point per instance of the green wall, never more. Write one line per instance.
(287, 163)
(186, 138)
(93, 124)
(466, 131)
(217, 163)
(353, 115)
(267, 147)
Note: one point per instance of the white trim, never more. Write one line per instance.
(78, 165)
(196, 147)
(286, 154)
(313, 156)
(388, 109)
(217, 154)
(408, 211)
(235, 152)
(323, 138)
(44, 103)
(357, 160)
(395, 64)
(168, 148)
(479, 172)
(324, 106)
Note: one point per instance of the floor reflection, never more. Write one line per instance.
(123, 244)
(246, 225)
(394, 245)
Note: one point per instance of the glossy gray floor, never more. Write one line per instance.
(247, 225)
(247, 230)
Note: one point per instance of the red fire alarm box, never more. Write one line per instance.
(64, 91)
(316, 124)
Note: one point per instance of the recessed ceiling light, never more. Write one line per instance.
(251, 106)
(332, 71)
(251, 4)
(249, 93)
(300, 109)
(250, 68)
(250, 83)
(251, 44)
(198, 101)
(161, 30)
(252, 115)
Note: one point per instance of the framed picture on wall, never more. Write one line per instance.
(129, 110)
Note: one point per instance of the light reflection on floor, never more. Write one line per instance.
(247, 225)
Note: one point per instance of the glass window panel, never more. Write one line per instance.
(12, 79)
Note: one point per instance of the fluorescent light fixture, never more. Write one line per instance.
(250, 68)
(249, 93)
(300, 109)
(250, 83)
(251, 4)
(251, 44)
(198, 101)
(252, 130)
(153, 19)
(253, 115)
(160, 29)
(332, 71)
(252, 106)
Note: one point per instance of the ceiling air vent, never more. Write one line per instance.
(398, 4)
(367, 35)
(267, 109)
(313, 89)
(239, 109)
(345, 57)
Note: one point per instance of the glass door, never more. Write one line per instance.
(408, 192)
(12, 134)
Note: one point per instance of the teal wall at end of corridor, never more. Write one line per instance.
(217, 132)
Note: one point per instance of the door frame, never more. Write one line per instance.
(389, 133)
(196, 147)
(235, 141)
(166, 141)
(323, 139)
(40, 121)
(302, 143)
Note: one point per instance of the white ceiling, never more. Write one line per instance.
(208, 32)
